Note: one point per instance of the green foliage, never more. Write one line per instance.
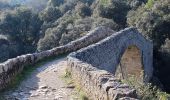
(83, 10)
(53, 35)
(63, 21)
(60, 22)
(69, 5)
(55, 3)
(50, 14)
(22, 27)
(89, 2)
(67, 77)
(104, 2)
(67, 73)
(152, 23)
(149, 4)
(134, 4)
(115, 10)
(146, 91)
(79, 93)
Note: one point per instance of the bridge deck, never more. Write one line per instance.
(44, 83)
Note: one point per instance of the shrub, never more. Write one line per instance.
(146, 91)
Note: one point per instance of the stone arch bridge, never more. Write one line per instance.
(98, 66)
(106, 54)
(127, 46)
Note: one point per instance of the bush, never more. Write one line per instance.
(146, 91)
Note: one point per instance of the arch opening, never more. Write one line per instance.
(130, 64)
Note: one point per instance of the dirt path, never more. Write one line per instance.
(45, 83)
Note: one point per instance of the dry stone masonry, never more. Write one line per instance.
(94, 67)
(12, 67)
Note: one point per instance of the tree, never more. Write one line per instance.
(153, 20)
(22, 28)
(83, 10)
(55, 3)
(115, 10)
(50, 14)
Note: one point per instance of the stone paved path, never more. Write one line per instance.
(45, 83)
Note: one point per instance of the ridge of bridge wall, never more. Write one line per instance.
(94, 67)
(10, 68)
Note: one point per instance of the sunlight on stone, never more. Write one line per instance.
(130, 64)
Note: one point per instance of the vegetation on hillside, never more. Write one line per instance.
(153, 21)
(60, 22)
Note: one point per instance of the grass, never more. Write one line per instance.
(146, 91)
(79, 93)
(67, 77)
(27, 71)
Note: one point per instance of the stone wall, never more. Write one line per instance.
(99, 84)
(94, 67)
(106, 54)
(12, 67)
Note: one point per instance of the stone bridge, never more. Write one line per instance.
(124, 53)
(127, 49)
(106, 54)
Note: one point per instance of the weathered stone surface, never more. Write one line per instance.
(94, 67)
(107, 53)
(10, 68)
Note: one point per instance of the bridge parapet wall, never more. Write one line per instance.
(106, 54)
(12, 67)
(94, 67)
(99, 84)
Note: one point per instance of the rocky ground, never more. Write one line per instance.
(45, 83)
